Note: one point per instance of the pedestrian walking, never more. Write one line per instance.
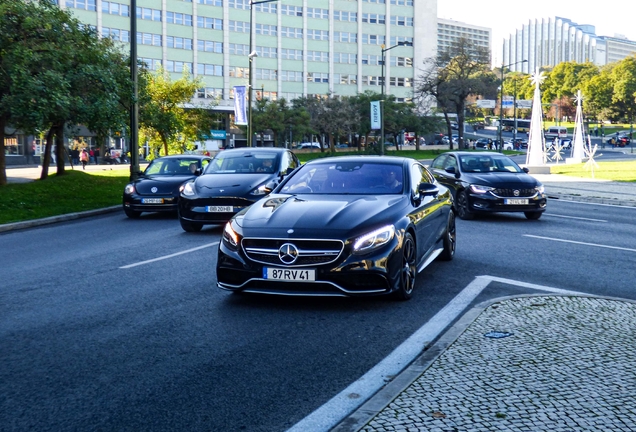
(84, 157)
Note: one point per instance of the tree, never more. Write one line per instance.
(164, 120)
(452, 76)
(624, 88)
(45, 86)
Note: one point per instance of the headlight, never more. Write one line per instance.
(540, 189)
(230, 237)
(129, 189)
(187, 189)
(374, 239)
(261, 190)
(480, 189)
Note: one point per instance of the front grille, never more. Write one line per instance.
(310, 252)
(510, 193)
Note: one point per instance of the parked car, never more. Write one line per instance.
(340, 226)
(234, 180)
(489, 182)
(309, 145)
(157, 189)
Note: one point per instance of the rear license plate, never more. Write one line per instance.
(516, 201)
(219, 209)
(306, 275)
(152, 200)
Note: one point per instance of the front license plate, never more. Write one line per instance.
(306, 275)
(516, 201)
(152, 200)
(219, 209)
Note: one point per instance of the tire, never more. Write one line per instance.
(190, 226)
(463, 207)
(450, 239)
(533, 215)
(408, 270)
(132, 213)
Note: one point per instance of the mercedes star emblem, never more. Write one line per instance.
(288, 253)
(515, 192)
(153, 190)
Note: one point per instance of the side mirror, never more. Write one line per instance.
(198, 171)
(525, 169)
(450, 170)
(427, 189)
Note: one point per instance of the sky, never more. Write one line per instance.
(504, 17)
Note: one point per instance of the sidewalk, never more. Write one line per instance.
(534, 363)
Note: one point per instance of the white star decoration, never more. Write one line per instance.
(578, 98)
(589, 153)
(537, 78)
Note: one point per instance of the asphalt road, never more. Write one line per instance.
(116, 324)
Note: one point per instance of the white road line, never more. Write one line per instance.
(580, 243)
(595, 203)
(168, 256)
(574, 217)
(347, 401)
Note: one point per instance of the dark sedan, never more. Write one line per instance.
(340, 226)
(234, 180)
(157, 189)
(489, 182)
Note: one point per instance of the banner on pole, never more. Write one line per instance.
(376, 115)
(240, 115)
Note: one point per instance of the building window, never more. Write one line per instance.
(318, 77)
(210, 2)
(266, 74)
(268, 52)
(210, 46)
(345, 79)
(318, 34)
(239, 4)
(266, 7)
(291, 54)
(266, 29)
(210, 93)
(372, 60)
(373, 18)
(345, 16)
(291, 10)
(317, 13)
(240, 26)
(368, 39)
(291, 32)
(400, 82)
(401, 61)
(148, 39)
(238, 72)
(347, 58)
(319, 56)
(211, 23)
(178, 42)
(179, 18)
(209, 69)
(345, 37)
(177, 66)
(239, 49)
(401, 21)
(146, 14)
(295, 76)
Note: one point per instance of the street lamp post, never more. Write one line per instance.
(403, 43)
(250, 57)
(134, 108)
(501, 102)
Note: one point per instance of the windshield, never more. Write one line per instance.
(173, 166)
(243, 162)
(346, 178)
(488, 163)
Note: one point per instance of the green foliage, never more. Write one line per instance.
(165, 123)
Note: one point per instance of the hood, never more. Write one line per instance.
(230, 184)
(502, 179)
(342, 215)
(164, 184)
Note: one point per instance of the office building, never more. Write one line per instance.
(449, 31)
(548, 42)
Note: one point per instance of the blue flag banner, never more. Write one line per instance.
(240, 116)
(376, 115)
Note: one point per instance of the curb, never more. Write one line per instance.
(55, 219)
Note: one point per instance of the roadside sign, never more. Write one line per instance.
(486, 103)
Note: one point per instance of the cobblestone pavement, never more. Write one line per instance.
(537, 363)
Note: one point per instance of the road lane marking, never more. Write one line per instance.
(580, 243)
(168, 256)
(343, 404)
(574, 217)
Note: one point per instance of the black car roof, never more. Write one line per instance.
(388, 160)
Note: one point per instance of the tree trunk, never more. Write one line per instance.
(60, 149)
(3, 160)
(46, 161)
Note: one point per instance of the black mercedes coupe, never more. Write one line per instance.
(489, 182)
(157, 189)
(340, 226)
(234, 180)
